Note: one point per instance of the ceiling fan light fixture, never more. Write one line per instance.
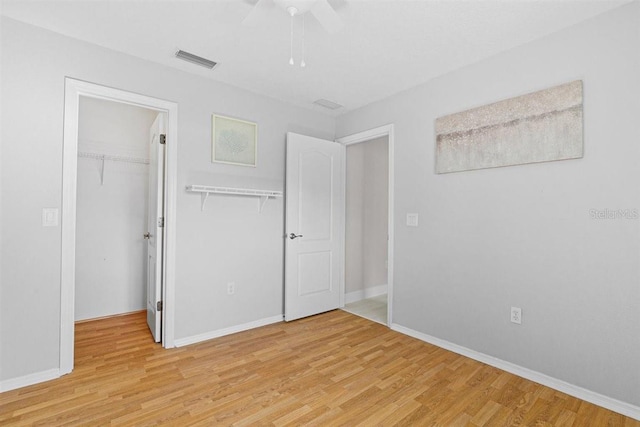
(300, 6)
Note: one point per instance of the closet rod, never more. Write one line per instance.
(114, 158)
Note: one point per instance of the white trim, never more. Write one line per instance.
(68, 226)
(343, 232)
(386, 130)
(181, 342)
(366, 135)
(365, 293)
(73, 90)
(27, 380)
(610, 403)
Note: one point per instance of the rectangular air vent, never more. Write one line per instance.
(327, 104)
(195, 59)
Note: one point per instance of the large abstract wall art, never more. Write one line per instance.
(539, 127)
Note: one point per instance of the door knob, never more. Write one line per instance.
(147, 235)
(293, 236)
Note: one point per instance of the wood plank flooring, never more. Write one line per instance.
(374, 308)
(327, 370)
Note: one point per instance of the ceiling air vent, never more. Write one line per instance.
(327, 104)
(195, 59)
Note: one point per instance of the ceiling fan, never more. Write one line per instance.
(320, 9)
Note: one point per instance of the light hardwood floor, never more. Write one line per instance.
(374, 308)
(331, 369)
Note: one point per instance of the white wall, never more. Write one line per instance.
(367, 182)
(523, 235)
(230, 241)
(111, 216)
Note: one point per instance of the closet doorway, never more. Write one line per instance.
(76, 91)
(368, 218)
(112, 208)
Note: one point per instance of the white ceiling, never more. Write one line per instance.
(384, 48)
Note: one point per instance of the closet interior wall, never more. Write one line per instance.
(112, 201)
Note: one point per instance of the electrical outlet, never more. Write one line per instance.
(50, 217)
(516, 315)
(412, 219)
(231, 288)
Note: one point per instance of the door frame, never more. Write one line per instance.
(73, 90)
(363, 137)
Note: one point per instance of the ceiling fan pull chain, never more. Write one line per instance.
(291, 57)
(302, 63)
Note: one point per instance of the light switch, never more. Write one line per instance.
(412, 219)
(50, 217)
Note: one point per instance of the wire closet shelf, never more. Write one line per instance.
(104, 157)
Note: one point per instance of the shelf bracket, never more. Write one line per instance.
(263, 201)
(102, 172)
(203, 200)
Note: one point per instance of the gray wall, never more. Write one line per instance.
(367, 189)
(354, 201)
(230, 241)
(523, 235)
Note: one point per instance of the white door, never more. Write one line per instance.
(155, 227)
(314, 229)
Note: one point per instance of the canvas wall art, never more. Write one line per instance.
(538, 127)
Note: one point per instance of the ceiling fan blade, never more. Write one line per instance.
(258, 13)
(327, 17)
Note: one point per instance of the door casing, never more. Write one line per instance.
(74, 89)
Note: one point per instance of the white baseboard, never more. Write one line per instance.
(365, 293)
(615, 405)
(27, 380)
(181, 342)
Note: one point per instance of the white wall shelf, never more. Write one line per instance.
(206, 190)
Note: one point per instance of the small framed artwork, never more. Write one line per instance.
(233, 141)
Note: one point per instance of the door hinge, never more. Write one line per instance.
(159, 306)
(163, 139)
(161, 221)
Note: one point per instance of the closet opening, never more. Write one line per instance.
(367, 229)
(120, 187)
(118, 210)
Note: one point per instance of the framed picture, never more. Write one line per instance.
(233, 141)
